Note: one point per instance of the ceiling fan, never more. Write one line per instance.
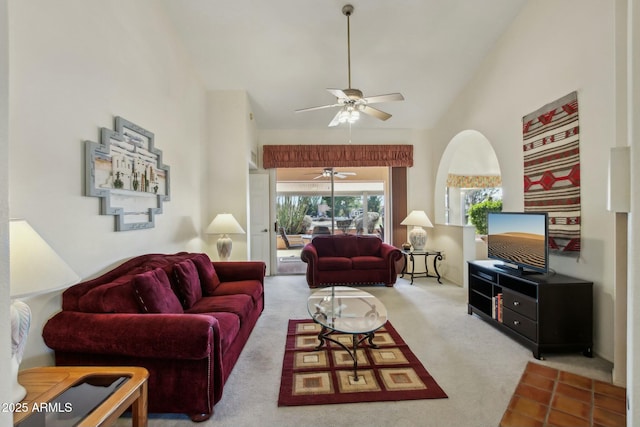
(326, 173)
(351, 100)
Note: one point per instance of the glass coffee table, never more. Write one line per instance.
(345, 310)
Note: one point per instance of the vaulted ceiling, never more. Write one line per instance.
(285, 53)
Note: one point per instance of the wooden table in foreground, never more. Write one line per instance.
(46, 383)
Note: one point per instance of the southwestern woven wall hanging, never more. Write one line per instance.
(551, 137)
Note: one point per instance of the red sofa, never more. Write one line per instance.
(182, 317)
(348, 259)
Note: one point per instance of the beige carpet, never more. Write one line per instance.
(291, 265)
(476, 365)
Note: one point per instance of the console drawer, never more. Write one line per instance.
(520, 304)
(520, 324)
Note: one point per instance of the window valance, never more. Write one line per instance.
(302, 156)
(474, 181)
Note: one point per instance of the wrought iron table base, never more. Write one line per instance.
(324, 335)
(410, 256)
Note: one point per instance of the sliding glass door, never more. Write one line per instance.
(313, 201)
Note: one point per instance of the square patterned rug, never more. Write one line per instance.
(388, 373)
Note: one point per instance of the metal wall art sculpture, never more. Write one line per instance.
(126, 172)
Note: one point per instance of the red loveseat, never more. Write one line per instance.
(182, 317)
(348, 259)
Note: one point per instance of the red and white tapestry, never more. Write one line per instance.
(551, 137)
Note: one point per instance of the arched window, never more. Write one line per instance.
(468, 173)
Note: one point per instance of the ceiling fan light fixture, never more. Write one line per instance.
(348, 115)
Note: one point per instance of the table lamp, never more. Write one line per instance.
(417, 235)
(35, 269)
(224, 224)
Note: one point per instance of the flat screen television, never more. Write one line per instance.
(519, 239)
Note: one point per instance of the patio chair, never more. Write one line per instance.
(320, 229)
(294, 242)
(344, 224)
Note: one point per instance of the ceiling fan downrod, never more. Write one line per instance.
(347, 10)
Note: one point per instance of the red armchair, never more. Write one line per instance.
(349, 259)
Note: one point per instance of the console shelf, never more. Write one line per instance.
(544, 312)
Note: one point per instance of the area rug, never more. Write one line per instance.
(551, 146)
(390, 373)
(549, 397)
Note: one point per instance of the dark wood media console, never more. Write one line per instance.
(545, 312)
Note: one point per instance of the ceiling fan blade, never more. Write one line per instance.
(338, 93)
(348, 173)
(335, 121)
(375, 113)
(321, 107)
(384, 98)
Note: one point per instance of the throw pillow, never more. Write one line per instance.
(188, 282)
(208, 276)
(154, 293)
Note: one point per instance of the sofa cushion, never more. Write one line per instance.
(113, 297)
(187, 282)
(229, 327)
(369, 245)
(346, 245)
(253, 288)
(242, 305)
(208, 276)
(332, 263)
(154, 293)
(166, 262)
(324, 246)
(368, 263)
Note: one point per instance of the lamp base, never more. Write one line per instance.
(20, 323)
(224, 246)
(17, 391)
(418, 238)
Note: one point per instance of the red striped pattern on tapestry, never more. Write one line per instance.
(551, 146)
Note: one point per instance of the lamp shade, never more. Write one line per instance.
(224, 223)
(417, 218)
(35, 266)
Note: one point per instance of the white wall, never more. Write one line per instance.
(74, 65)
(552, 48)
(5, 324)
(232, 133)
(457, 242)
(633, 312)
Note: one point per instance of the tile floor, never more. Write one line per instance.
(547, 397)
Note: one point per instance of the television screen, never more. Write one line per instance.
(520, 239)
